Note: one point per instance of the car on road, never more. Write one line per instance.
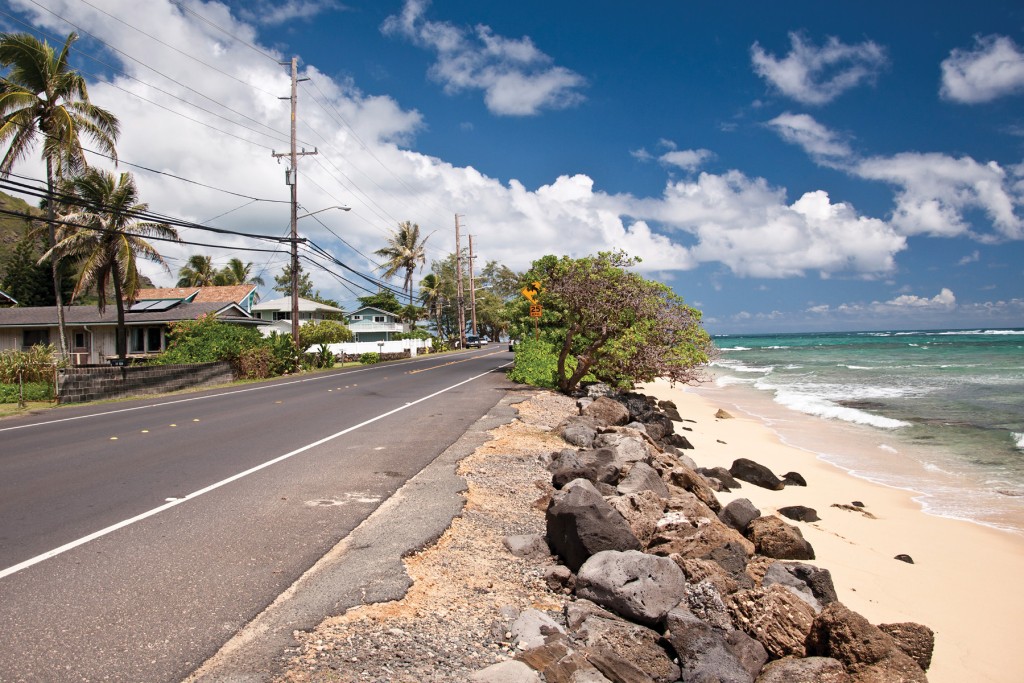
(473, 341)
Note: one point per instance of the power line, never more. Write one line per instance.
(231, 35)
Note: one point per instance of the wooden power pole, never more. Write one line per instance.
(458, 278)
(292, 178)
(472, 286)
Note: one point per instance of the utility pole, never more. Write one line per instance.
(291, 177)
(472, 285)
(458, 278)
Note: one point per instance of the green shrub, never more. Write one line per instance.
(207, 340)
(318, 332)
(536, 364)
(369, 358)
(34, 391)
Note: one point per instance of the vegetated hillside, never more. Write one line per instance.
(12, 228)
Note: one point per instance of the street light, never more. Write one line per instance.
(295, 274)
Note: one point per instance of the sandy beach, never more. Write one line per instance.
(963, 584)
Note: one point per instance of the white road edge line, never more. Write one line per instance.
(203, 398)
(235, 477)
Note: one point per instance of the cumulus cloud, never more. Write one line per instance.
(944, 299)
(993, 69)
(516, 77)
(817, 75)
(749, 226)
(686, 159)
(934, 191)
(818, 141)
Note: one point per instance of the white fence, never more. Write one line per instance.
(359, 348)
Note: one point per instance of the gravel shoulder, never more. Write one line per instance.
(466, 588)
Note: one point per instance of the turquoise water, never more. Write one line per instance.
(940, 412)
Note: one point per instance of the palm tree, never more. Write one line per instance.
(41, 96)
(432, 298)
(197, 272)
(108, 238)
(237, 273)
(404, 251)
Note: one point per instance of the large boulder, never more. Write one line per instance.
(774, 538)
(816, 580)
(777, 574)
(775, 617)
(805, 670)
(800, 513)
(705, 653)
(599, 466)
(868, 653)
(643, 477)
(757, 474)
(642, 511)
(721, 474)
(690, 529)
(705, 602)
(739, 514)
(581, 523)
(532, 627)
(578, 430)
(634, 585)
(633, 643)
(607, 411)
(689, 480)
(630, 446)
(658, 425)
(917, 640)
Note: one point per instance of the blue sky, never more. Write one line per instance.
(784, 166)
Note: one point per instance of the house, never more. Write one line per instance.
(243, 295)
(92, 336)
(370, 324)
(278, 313)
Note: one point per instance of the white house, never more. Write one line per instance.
(370, 324)
(279, 313)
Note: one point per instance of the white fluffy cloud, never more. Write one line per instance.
(818, 141)
(994, 68)
(944, 299)
(934, 191)
(818, 75)
(748, 225)
(516, 77)
(686, 159)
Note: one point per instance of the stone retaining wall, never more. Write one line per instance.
(77, 384)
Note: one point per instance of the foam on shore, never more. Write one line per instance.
(964, 583)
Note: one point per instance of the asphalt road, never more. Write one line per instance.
(136, 538)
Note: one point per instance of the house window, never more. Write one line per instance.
(378, 318)
(30, 338)
(357, 317)
(282, 315)
(145, 340)
(80, 340)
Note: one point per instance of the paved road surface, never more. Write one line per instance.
(138, 537)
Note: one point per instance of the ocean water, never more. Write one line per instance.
(938, 412)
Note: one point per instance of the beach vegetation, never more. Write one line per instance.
(607, 321)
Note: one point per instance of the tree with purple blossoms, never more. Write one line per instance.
(612, 324)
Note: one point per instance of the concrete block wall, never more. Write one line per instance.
(77, 384)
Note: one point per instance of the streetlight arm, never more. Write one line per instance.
(342, 208)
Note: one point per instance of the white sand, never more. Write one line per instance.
(965, 580)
